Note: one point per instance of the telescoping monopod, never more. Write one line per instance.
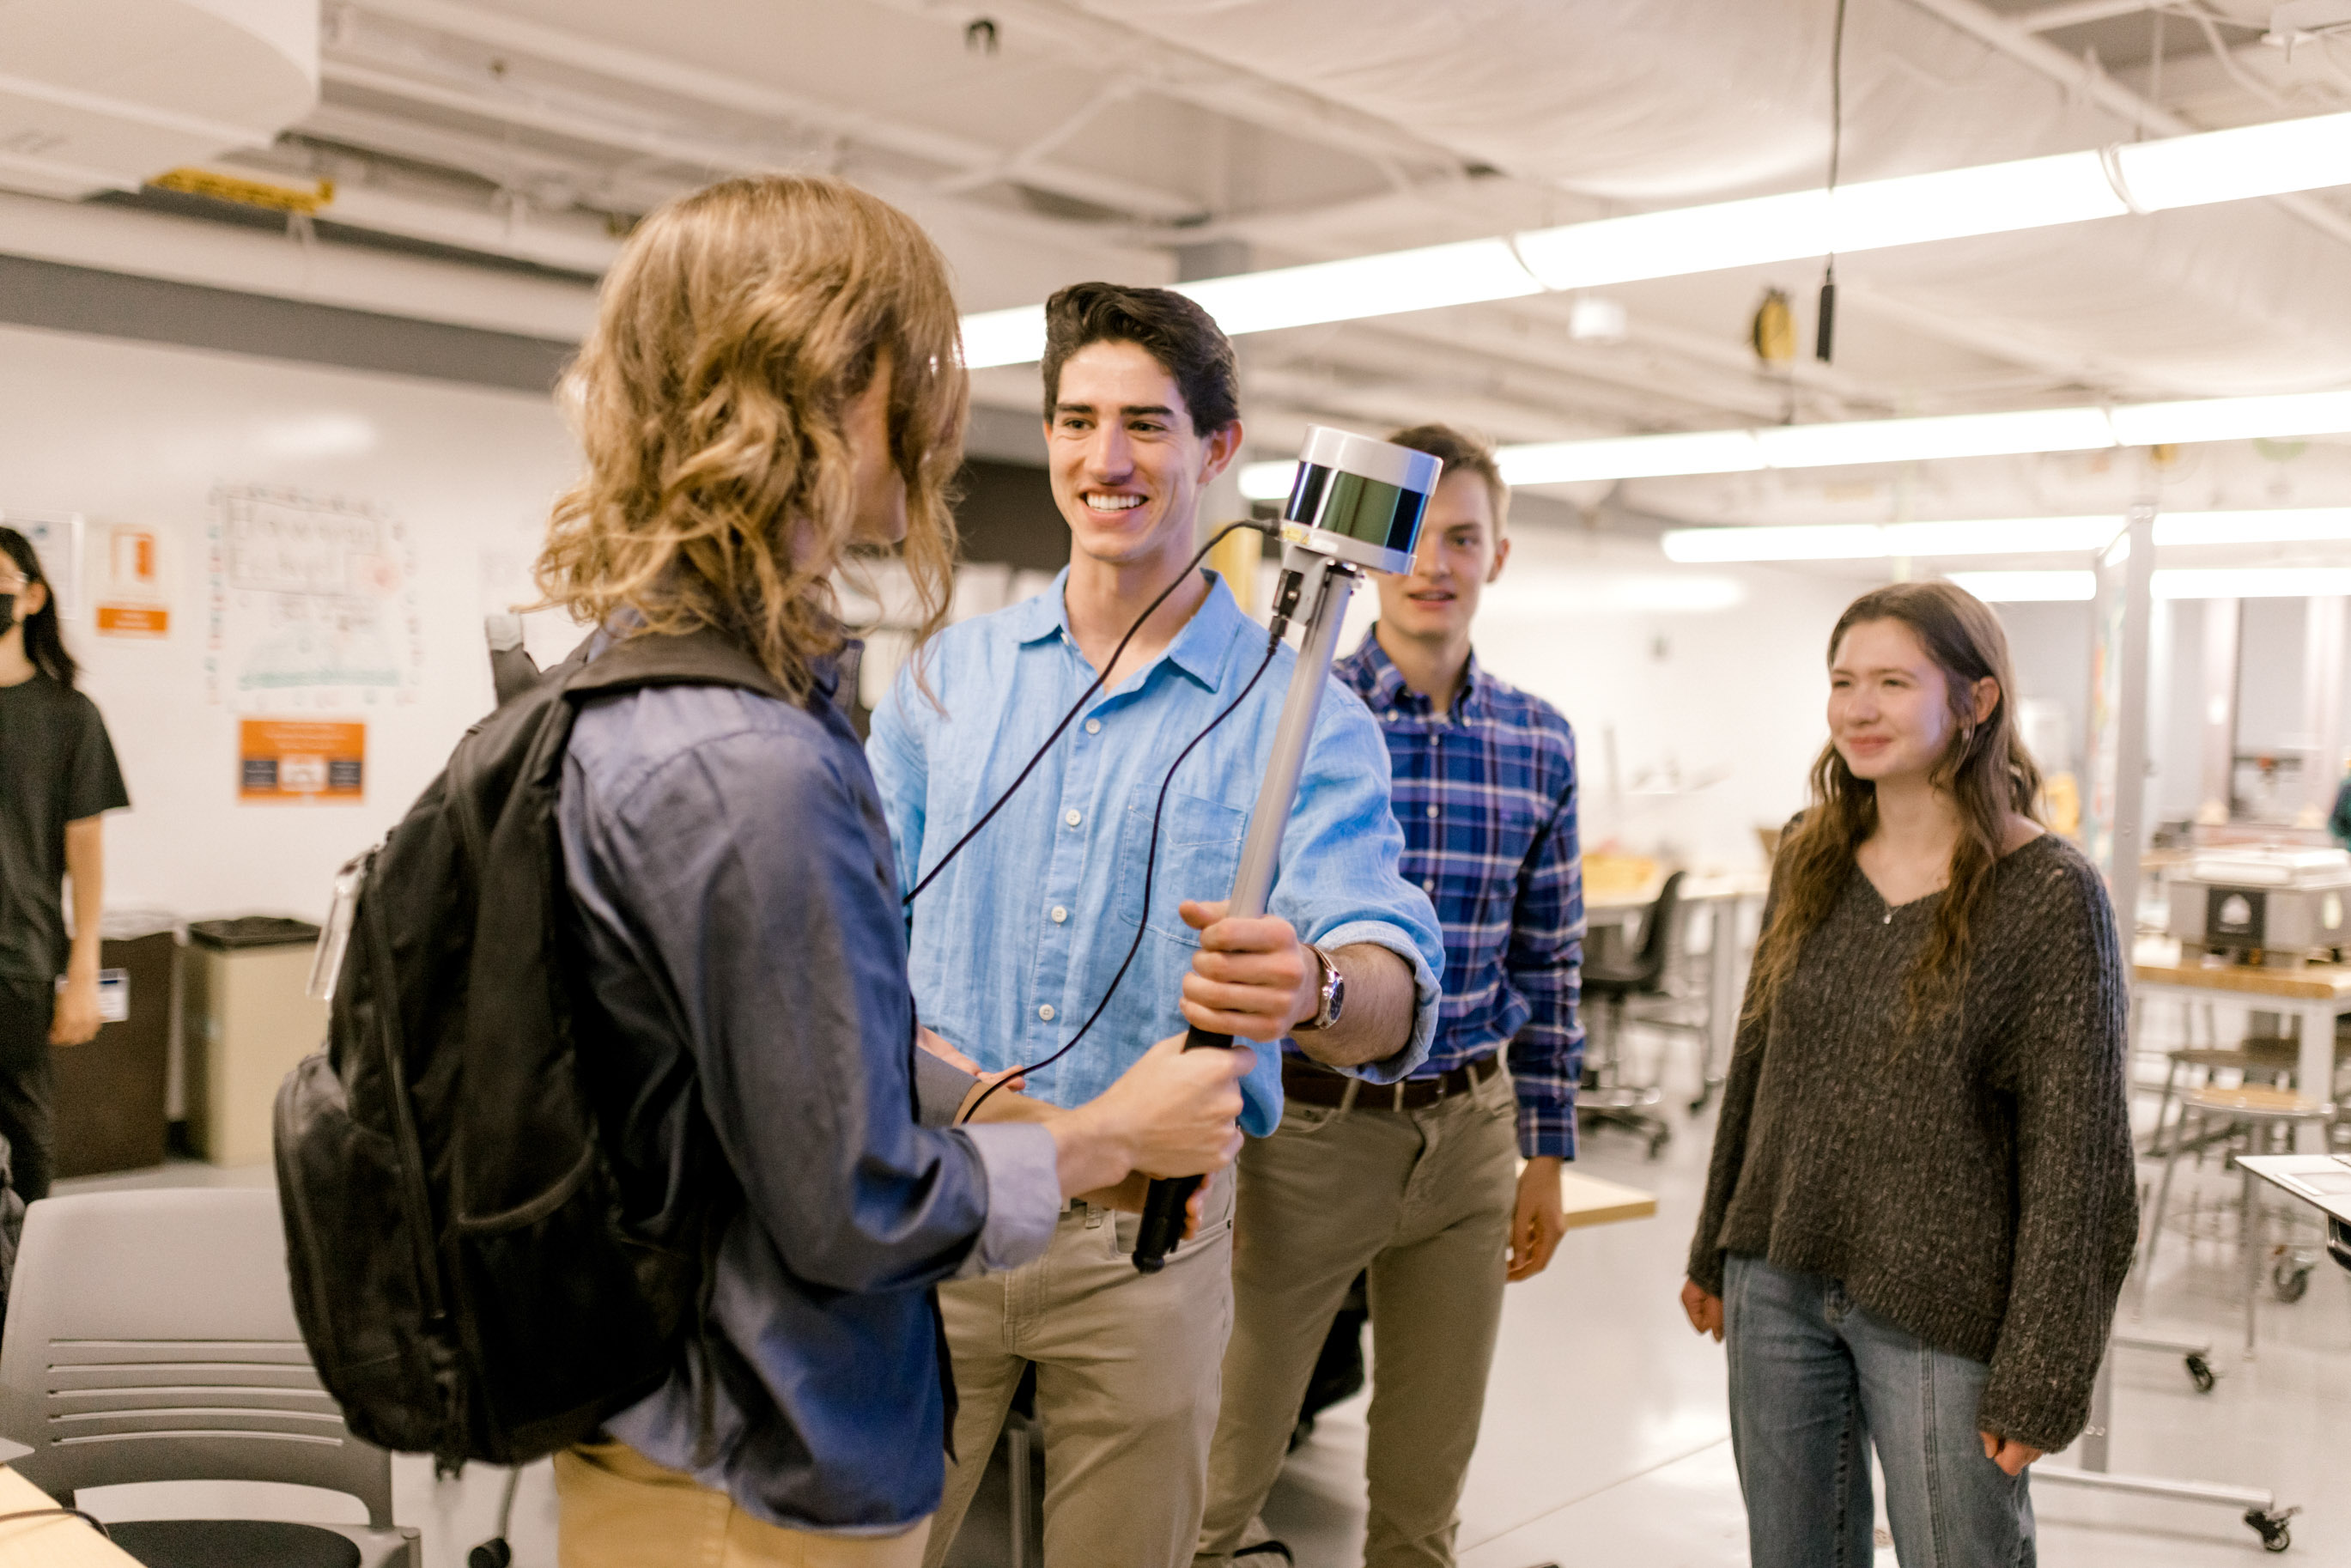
(1355, 506)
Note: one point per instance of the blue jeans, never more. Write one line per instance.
(1813, 1380)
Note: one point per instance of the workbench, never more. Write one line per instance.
(2315, 994)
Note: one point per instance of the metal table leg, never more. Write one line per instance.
(1722, 998)
(2314, 1072)
(2261, 1513)
(2249, 1234)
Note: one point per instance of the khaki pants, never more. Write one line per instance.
(1423, 1199)
(1127, 1368)
(617, 1509)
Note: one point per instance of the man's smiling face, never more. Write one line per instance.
(1127, 465)
(1461, 551)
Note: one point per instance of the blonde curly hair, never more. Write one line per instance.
(732, 335)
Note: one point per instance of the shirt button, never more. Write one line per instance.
(1432, 810)
(1046, 1012)
(1428, 886)
(1093, 727)
(1060, 914)
(1073, 816)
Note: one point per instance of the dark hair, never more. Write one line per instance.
(1185, 340)
(1986, 769)
(1460, 451)
(43, 644)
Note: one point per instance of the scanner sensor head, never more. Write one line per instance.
(1358, 499)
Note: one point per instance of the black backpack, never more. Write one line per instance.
(461, 1271)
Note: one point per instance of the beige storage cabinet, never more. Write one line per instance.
(247, 1022)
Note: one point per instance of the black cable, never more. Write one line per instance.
(1076, 708)
(1824, 337)
(91, 1520)
(1150, 864)
(1836, 97)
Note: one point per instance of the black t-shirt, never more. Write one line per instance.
(57, 765)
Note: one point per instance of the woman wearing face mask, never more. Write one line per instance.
(1921, 1203)
(58, 773)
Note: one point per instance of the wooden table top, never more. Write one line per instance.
(2310, 983)
(55, 1541)
(1699, 887)
(1589, 1200)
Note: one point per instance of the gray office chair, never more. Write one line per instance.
(151, 1337)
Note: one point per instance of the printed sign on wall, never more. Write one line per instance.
(131, 601)
(301, 760)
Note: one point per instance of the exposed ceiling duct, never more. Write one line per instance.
(535, 132)
(104, 95)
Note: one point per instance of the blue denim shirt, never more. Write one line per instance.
(1016, 943)
(731, 880)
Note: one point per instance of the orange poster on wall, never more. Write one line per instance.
(301, 760)
(131, 599)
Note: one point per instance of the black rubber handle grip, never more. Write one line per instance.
(1163, 1207)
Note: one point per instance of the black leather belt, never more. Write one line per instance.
(1312, 1085)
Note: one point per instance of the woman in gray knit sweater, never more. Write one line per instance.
(1921, 1204)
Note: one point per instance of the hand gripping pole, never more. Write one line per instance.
(1326, 585)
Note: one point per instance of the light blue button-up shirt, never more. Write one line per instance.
(1015, 946)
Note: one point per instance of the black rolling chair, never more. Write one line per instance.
(1604, 1100)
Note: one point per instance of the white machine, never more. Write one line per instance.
(2263, 905)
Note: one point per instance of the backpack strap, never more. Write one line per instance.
(702, 657)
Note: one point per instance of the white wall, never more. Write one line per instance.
(128, 433)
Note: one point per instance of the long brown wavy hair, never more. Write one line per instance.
(732, 334)
(1986, 769)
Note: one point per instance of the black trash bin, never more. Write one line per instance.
(110, 1091)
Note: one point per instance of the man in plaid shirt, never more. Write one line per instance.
(1418, 1182)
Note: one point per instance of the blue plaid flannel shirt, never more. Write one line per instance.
(1485, 795)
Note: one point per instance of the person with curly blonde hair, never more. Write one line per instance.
(774, 378)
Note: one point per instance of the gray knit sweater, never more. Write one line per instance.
(1973, 1185)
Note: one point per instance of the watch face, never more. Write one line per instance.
(1334, 996)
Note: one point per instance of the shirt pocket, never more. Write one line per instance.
(1200, 850)
(1514, 830)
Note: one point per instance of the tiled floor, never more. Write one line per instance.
(1606, 1442)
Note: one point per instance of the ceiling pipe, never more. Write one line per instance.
(2073, 13)
(2019, 43)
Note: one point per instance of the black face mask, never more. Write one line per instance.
(7, 612)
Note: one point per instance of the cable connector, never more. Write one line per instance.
(1286, 595)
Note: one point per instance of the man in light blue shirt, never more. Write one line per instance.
(1015, 946)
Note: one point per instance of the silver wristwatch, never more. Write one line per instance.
(1334, 994)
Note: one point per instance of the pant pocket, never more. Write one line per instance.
(1216, 1220)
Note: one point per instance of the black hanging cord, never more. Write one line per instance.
(1077, 707)
(1824, 342)
(1150, 865)
(91, 1520)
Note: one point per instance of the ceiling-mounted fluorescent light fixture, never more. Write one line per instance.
(2000, 536)
(2250, 581)
(1682, 453)
(2166, 582)
(2029, 587)
(2001, 434)
(2196, 170)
